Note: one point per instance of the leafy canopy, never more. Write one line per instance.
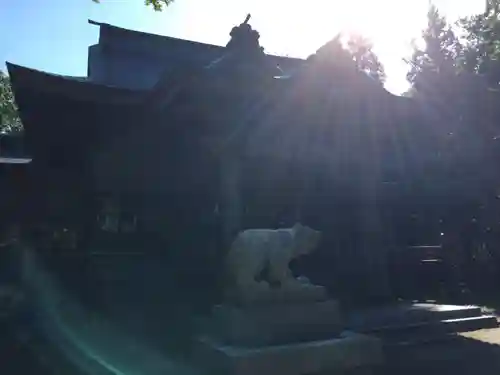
(438, 56)
(481, 52)
(157, 5)
(9, 119)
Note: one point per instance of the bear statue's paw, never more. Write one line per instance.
(255, 287)
(293, 284)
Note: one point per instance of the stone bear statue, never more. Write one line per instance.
(256, 250)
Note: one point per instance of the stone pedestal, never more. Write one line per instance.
(273, 324)
(305, 294)
(344, 353)
(286, 338)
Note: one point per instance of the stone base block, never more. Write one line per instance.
(275, 324)
(276, 296)
(345, 353)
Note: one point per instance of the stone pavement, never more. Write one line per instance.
(91, 342)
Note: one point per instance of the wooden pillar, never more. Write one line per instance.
(230, 197)
(374, 250)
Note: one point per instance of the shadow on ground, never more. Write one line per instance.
(461, 355)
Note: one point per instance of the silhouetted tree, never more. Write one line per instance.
(366, 60)
(437, 59)
(481, 51)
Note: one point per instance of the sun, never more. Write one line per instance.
(303, 28)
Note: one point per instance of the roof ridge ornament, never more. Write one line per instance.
(244, 56)
(245, 40)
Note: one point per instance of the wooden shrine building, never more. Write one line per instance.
(189, 137)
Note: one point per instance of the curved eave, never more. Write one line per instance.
(9, 160)
(23, 78)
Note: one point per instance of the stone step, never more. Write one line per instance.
(456, 355)
(420, 333)
(343, 354)
(405, 315)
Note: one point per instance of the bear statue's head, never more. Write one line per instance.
(306, 239)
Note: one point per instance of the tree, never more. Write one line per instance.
(157, 5)
(437, 59)
(9, 119)
(361, 50)
(481, 52)
(456, 100)
(493, 6)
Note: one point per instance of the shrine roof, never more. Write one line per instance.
(76, 87)
(111, 36)
(81, 88)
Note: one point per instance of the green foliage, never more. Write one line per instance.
(361, 50)
(476, 50)
(452, 76)
(9, 119)
(437, 59)
(157, 5)
(481, 44)
(493, 6)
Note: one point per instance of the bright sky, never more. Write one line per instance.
(53, 35)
